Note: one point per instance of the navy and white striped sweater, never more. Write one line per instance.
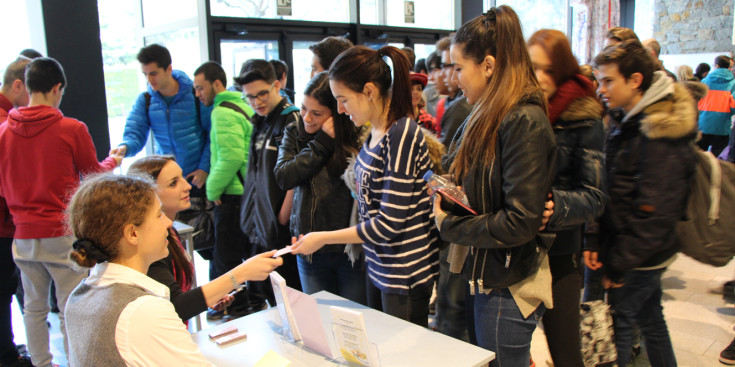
(401, 240)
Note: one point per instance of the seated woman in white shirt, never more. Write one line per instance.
(119, 316)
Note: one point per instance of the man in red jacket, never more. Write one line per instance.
(44, 156)
(12, 94)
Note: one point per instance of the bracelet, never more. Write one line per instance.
(235, 284)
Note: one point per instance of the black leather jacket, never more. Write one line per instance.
(509, 196)
(321, 202)
(578, 190)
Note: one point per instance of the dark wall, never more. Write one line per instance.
(73, 38)
(470, 10)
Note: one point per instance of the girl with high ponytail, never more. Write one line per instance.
(504, 157)
(397, 230)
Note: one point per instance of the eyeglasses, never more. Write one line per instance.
(260, 96)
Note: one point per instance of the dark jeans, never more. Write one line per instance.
(561, 323)
(412, 307)
(8, 285)
(638, 302)
(718, 143)
(333, 272)
(500, 327)
(229, 251)
(451, 313)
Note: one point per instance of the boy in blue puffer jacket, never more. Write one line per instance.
(169, 108)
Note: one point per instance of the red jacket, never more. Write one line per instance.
(7, 229)
(43, 156)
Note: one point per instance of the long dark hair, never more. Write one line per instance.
(152, 166)
(345, 132)
(496, 33)
(360, 65)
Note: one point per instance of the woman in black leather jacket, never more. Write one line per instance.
(577, 192)
(311, 159)
(505, 158)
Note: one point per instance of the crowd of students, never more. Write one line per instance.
(340, 181)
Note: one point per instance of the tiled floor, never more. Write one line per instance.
(701, 322)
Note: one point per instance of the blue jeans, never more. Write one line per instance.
(333, 272)
(638, 302)
(500, 327)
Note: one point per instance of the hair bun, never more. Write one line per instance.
(89, 249)
(490, 15)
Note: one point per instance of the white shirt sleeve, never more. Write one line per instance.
(150, 333)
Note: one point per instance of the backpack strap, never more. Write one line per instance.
(147, 97)
(289, 109)
(236, 108)
(197, 104)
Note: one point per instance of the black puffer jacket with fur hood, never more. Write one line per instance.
(649, 163)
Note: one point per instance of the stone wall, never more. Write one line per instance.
(693, 26)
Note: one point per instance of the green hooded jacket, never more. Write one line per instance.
(230, 144)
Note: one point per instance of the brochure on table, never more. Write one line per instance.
(351, 337)
(297, 311)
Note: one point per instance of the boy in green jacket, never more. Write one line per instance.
(229, 146)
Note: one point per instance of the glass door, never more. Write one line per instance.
(234, 52)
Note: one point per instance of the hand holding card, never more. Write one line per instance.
(282, 251)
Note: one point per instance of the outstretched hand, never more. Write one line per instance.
(259, 266)
(307, 244)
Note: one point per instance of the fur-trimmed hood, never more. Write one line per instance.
(674, 116)
(584, 108)
(697, 89)
(436, 150)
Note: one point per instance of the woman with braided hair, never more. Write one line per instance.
(504, 157)
(119, 316)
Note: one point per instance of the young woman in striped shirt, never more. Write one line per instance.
(399, 238)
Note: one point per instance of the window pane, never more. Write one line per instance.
(337, 11)
(436, 14)
(236, 52)
(157, 12)
(644, 19)
(183, 44)
(123, 79)
(422, 50)
(539, 14)
(377, 45)
(21, 36)
(301, 67)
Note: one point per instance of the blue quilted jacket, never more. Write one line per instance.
(176, 128)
